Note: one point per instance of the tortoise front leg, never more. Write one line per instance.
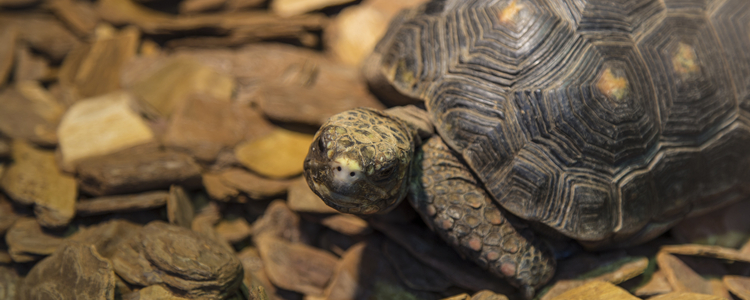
(454, 204)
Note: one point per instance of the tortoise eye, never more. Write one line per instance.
(385, 174)
(321, 145)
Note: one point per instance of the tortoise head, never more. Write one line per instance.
(359, 161)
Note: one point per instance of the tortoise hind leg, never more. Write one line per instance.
(455, 206)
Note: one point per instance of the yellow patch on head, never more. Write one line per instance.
(509, 13)
(611, 85)
(350, 164)
(684, 60)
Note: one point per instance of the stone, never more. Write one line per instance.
(203, 126)
(253, 185)
(302, 199)
(286, 8)
(130, 172)
(43, 33)
(74, 271)
(30, 112)
(27, 242)
(614, 272)
(279, 154)
(738, 285)
(180, 209)
(681, 277)
(165, 86)
(8, 36)
(279, 221)
(123, 203)
(9, 282)
(187, 262)
(107, 236)
(101, 126)
(93, 69)
(294, 266)
(234, 230)
(657, 285)
(686, 296)
(34, 178)
(596, 290)
(311, 92)
(80, 16)
(152, 292)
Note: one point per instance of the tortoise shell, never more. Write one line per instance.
(606, 120)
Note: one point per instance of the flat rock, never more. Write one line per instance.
(9, 283)
(614, 272)
(80, 16)
(180, 210)
(297, 7)
(681, 277)
(44, 33)
(107, 236)
(30, 112)
(657, 285)
(27, 242)
(279, 154)
(122, 203)
(182, 259)
(34, 178)
(595, 290)
(279, 221)
(311, 92)
(93, 69)
(234, 230)
(294, 266)
(8, 36)
(302, 199)
(166, 85)
(204, 126)
(128, 172)
(74, 271)
(255, 186)
(101, 126)
(686, 296)
(738, 285)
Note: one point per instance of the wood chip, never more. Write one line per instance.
(7, 215)
(279, 221)
(614, 272)
(123, 172)
(9, 282)
(217, 189)
(302, 199)
(27, 242)
(253, 185)
(203, 224)
(738, 285)
(80, 16)
(152, 292)
(34, 178)
(656, 286)
(356, 273)
(234, 230)
(255, 270)
(346, 224)
(194, 6)
(595, 290)
(180, 209)
(101, 126)
(164, 87)
(30, 66)
(488, 295)
(8, 38)
(681, 277)
(707, 251)
(279, 154)
(43, 33)
(686, 296)
(75, 271)
(124, 203)
(30, 112)
(288, 8)
(294, 266)
(107, 236)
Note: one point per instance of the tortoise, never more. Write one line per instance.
(604, 121)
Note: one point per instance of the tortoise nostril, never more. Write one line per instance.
(352, 174)
(338, 168)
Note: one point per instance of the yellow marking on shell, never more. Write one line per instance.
(407, 75)
(684, 60)
(340, 130)
(612, 86)
(509, 13)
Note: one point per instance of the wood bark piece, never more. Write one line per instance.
(101, 126)
(195, 6)
(41, 32)
(288, 8)
(355, 273)
(75, 271)
(656, 286)
(169, 84)
(8, 36)
(203, 224)
(707, 251)
(681, 277)
(217, 189)
(30, 112)
(7, 215)
(127, 172)
(80, 16)
(614, 272)
(94, 69)
(255, 273)
(488, 295)
(27, 242)
(9, 282)
(234, 230)
(107, 236)
(253, 185)
(279, 154)
(346, 224)
(686, 296)
(124, 203)
(180, 210)
(279, 221)
(152, 292)
(34, 178)
(187, 262)
(294, 266)
(596, 290)
(354, 32)
(738, 285)
(31, 67)
(302, 199)
(204, 126)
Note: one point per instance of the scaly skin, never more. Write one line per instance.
(454, 204)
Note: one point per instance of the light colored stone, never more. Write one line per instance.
(34, 178)
(287, 8)
(99, 126)
(279, 154)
